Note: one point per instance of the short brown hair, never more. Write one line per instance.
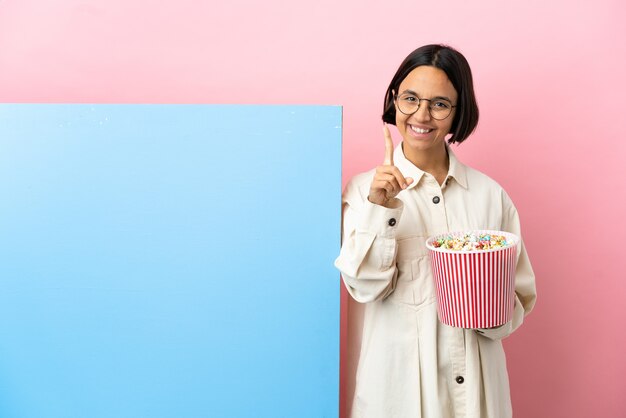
(456, 67)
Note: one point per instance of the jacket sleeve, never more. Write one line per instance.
(525, 291)
(368, 251)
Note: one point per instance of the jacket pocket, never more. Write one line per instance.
(414, 284)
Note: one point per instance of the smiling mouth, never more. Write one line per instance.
(420, 130)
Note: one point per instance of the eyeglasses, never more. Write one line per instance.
(409, 103)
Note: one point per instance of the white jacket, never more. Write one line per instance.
(411, 365)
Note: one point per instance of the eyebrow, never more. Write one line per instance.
(432, 98)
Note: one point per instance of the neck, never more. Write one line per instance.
(434, 161)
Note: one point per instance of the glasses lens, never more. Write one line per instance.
(408, 103)
(440, 109)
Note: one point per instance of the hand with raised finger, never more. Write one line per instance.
(388, 180)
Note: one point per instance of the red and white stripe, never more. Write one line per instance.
(475, 289)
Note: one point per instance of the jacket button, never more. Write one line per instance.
(392, 221)
(436, 200)
(459, 379)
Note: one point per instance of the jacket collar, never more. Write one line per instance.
(456, 170)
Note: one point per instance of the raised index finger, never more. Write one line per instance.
(388, 146)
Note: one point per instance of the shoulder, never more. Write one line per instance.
(479, 180)
(480, 183)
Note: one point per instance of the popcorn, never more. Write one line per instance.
(471, 242)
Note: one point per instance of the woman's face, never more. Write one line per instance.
(420, 131)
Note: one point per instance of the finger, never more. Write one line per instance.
(393, 172)
(385, 187)
(388, 146)
(391, 186)
(399, 177)
(390, 190)
(390, 178)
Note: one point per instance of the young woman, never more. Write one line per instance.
(411, 365)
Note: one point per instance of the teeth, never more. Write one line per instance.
(420, 131)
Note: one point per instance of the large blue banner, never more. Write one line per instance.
(169, 261)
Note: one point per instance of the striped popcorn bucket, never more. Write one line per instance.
(475, 289)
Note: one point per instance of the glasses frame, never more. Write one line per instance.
(419, 102)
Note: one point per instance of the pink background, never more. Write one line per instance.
(550, 84)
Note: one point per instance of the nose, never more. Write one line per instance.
(423, 113)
